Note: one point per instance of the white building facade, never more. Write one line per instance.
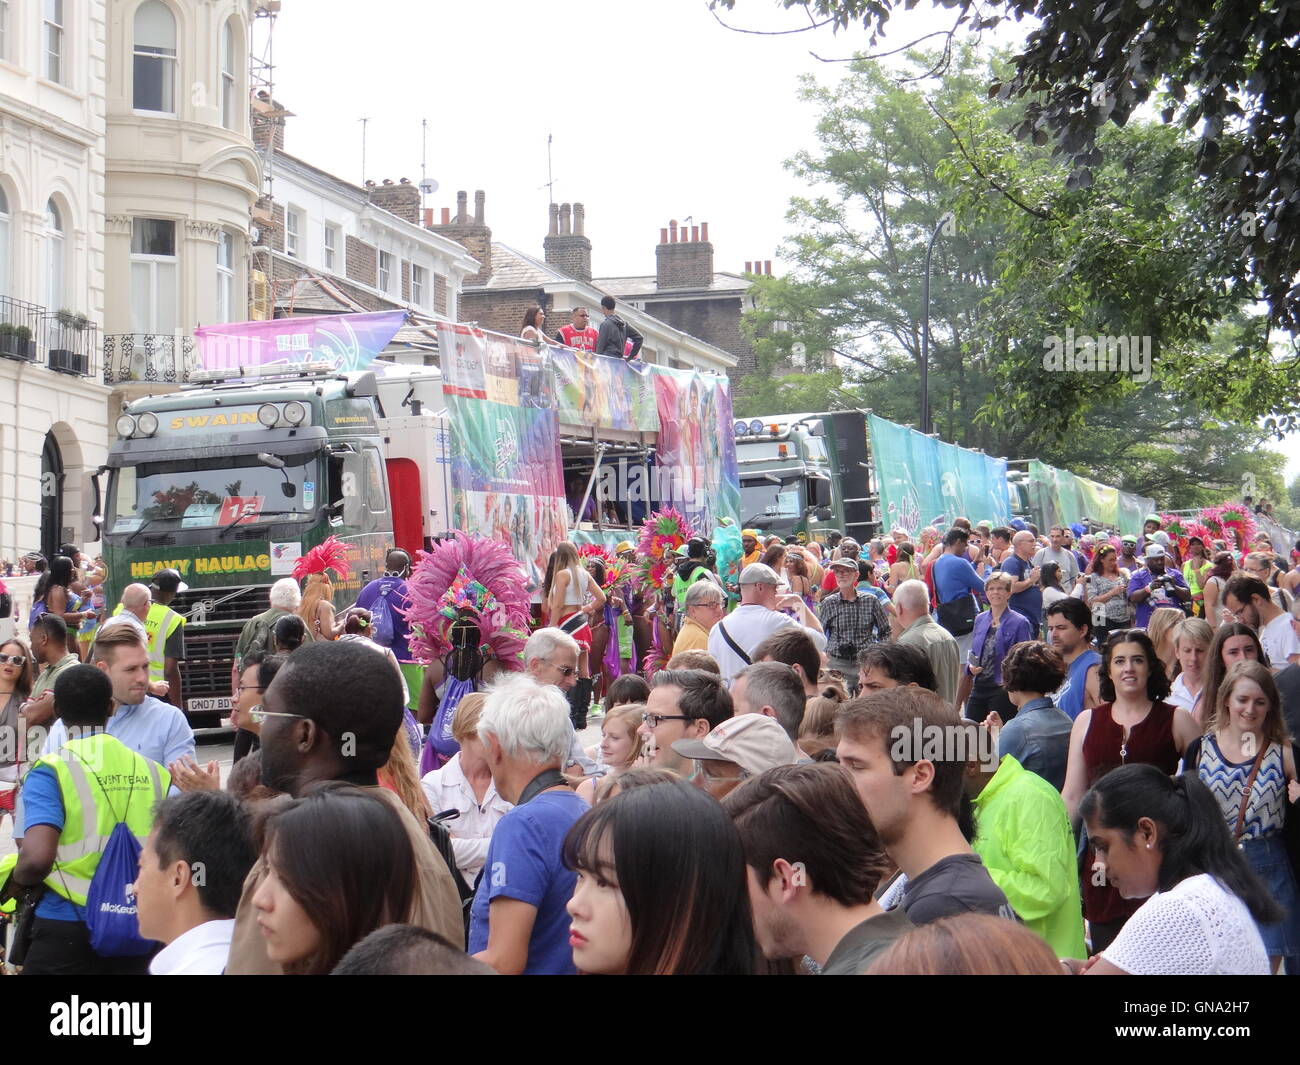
(127, 176)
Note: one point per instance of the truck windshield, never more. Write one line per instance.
(772, 496)
(218, 492)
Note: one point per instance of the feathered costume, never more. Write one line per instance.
(468, 603)
(664, 530)
(331, 554)
(1231, 520)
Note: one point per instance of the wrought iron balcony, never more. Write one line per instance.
(20, 326)
(148, 358)
(70, 341)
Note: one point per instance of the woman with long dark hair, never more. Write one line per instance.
(1212, 587)
(340, 866)
(534, 325)
(1133, 724)
(1105, 591)
(59, 597)
(1247, 761)
(625, 851)
(1163, 839)
(15, 687)
(1232, 643)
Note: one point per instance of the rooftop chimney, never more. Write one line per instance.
(400, 198)
(566, 245)
(684, 258)
(472, 233)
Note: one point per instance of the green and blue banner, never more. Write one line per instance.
(924, 481)
(1060, 497)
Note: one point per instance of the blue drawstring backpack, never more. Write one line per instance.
(381, 619)
(111, 916)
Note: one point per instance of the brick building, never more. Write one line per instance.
(510, 281)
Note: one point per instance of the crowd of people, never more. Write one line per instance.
(982, 750)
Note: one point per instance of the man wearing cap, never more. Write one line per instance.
(850, 549)
(626, 550)
(1155, 587)
(164, 628)
(1128, 556)
(736, 749)
(850, 621)
(732, 641)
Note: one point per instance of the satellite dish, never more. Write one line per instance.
(428, 186)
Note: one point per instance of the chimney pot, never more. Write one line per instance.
(672, 231)
(428, 218)
(479, 199)
(749, 267)
(704, 231)
(663, 235)
(370, 184)
(767, 267)
(566, 219)
(462, 208)
(405, 181)
(695, 234)
(446, 216)
(554, 212)
(388, 181)
(579, 219)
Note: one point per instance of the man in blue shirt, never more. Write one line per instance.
(955, 578)
(1069, 630)
(392, 588)
(519, 922)
(146, 725)
(1026, 593)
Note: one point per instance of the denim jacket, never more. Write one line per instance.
(1038, 737)
(1013, 629)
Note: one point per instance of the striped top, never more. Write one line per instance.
(1266, 810)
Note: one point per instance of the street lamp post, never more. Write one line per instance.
(925, 326)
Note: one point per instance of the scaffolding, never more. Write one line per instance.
(266, 120)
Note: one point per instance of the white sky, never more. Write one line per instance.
(657, 112)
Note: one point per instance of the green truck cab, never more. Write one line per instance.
(229, 482)
(806, 475)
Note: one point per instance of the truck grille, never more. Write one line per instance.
(220, 606)
(207, 662)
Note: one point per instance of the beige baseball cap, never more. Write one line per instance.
(757, 573)
(754, 742)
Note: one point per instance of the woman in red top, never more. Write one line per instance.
(1133, 725)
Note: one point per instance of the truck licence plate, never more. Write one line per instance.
(207, 705)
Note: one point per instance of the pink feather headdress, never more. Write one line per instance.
(471, 575)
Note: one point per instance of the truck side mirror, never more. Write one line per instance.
(819, 492)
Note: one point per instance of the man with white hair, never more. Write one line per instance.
(732, 640)
(919, 630)
(551, 657)
(703, 607)
(519, 922)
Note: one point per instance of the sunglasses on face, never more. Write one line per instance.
(15, 660)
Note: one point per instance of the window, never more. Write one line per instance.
(5, 255)
(54, 257)
(330, 244)
(53, 40)
(225, 277)
(155, 58)
(229, 108)
(375, 502)
(385, 270)
(153, 276)
(292, 227)
(4, 29)
(417, 285)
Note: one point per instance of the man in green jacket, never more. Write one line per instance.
(1023, 837)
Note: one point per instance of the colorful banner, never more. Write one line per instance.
(924, 481)
(601, 391)
(1059, 497)
(506, 472)
(348, 342)
(696, 457)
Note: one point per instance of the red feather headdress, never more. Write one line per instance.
(331, 555)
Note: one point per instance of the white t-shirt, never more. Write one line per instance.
(1279, 640)
(447, 788)
(202, 951)
(1180, 697)
(748, 626)
(1196, 928)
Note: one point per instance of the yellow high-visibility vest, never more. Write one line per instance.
(158, 626)
(102, 782)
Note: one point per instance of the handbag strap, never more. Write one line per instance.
(733, 645)
(1245, 793)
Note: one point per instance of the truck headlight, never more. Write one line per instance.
(126, 426)
(294, 412)
(268, 414)
(147, 423)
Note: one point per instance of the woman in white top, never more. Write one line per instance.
(566, 593)
(465, 784)
(1164, 840)
(1224, 568)
(1192, 639)
(534, 320)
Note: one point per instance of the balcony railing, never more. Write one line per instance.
(148, 358)
(20, 327)
(70, 342)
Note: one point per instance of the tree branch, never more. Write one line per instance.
(1037, 213)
